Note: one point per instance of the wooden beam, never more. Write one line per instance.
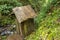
(19, 30)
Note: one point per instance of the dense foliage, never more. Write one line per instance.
(49, 28)
(6, 11)
(48, 19)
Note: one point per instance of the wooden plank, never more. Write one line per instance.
(19, 30)
(23, 13)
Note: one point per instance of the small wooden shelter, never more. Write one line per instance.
(25, 19)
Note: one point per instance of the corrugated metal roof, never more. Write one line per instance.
(23, 13)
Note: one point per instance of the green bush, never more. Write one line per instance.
(6, 7)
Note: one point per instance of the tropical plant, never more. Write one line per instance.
(6, 7)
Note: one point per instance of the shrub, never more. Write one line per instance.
(6, 9)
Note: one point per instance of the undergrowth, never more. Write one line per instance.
(49, 23)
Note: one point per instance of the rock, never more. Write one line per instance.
(6, 32)
(13, 37)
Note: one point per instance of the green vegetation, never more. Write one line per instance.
(6, 11)
(48, 22)
(48, 28)
(48, 19)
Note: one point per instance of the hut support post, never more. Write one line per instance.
(19, 30)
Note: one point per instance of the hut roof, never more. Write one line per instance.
(23, 13)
